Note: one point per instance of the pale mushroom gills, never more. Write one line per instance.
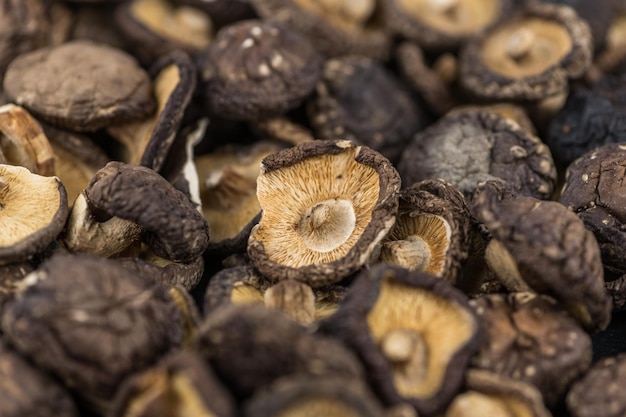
(453, 16)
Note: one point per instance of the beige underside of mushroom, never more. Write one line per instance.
(455, 17)
(346, 14)
(476, 404)
(525, 47)
(316, 210)
(318, 406)
(73, 172)
(419, 332)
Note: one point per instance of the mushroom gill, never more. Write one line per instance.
(319, 406)
(453, 16)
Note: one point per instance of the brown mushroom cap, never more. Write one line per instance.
(528, 337)
(326, 206)
(529, 57)
(30, 221)
(86, 102)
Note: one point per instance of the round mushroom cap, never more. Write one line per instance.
(86, 87)
(528, 337)
(29, 220)
(466, 147)
(326, 207)
(530, 57)
(258, 69)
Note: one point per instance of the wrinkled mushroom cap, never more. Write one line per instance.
(30, 221)
(326, 205)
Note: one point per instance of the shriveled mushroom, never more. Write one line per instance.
(88, 102)
(30, 221)
(530, 57)
(326, 207)
(415, 334)
(432, 230)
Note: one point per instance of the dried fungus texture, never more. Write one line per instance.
(91, 322)
(326, 206)
(174, 229)
(601, 391)
(543, 246)
(106, 85)
(471, 146)
(594, 190)
(252, 346)
(358, 99)
(28, 391)
(164, 271)
(529, 338)
(258, 69)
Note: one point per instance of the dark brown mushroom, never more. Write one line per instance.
(252, 346)
(468, 146)
(443, 24)
(30, 221)
(529, 57)
(544, 247)
(67, 97)
(415, 334)
(338, 28)
(616, 289)
(528, 337)
(601, 392)
(28, 391)
(432, 230)
(257, 69)
(359, 100)
(326, 207)
(594, 189)
(96, 22)
(92, 322)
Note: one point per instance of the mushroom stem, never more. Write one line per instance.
(229, 188)
(520, 44)
(357, 10)
(404, 346)
(327, 224)
(412, 253)
(293, 298)
(443, 6)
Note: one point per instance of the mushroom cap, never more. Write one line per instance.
(543, 246)
(468, 146)
(530, 57)
(223, 12)
(529, 338)
(85, 103)
(326, 206)
(30, 221)
(257, 69)
(443, 24)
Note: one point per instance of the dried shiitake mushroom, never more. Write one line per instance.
(529, 57)
(594, 190)
(29, 220)
(359, 100)
(601, 392)
(528, 337)
(414, 333)
(28, 391)
(337, 27)
(222, 12)
(468, 146)
(617, 291)
(432, 230)
(251, 346)
(326, 207)
(94, 22)
(96, 96)
(443, 24)
(182, 384)
(91, 322)
(258, 69)
(10, 277)
(544, 247)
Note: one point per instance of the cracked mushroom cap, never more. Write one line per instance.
(30, 221)
(336, 27)
(414, 333)
(529, 57)
(173, 228)
(594, 189)
(257, 69)
(443, 24)
(432, 230)
(601, 391)
(84, 96)
(358, 99)
(529, 338)
(544, 247)
(326, 207)
(466, 147)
